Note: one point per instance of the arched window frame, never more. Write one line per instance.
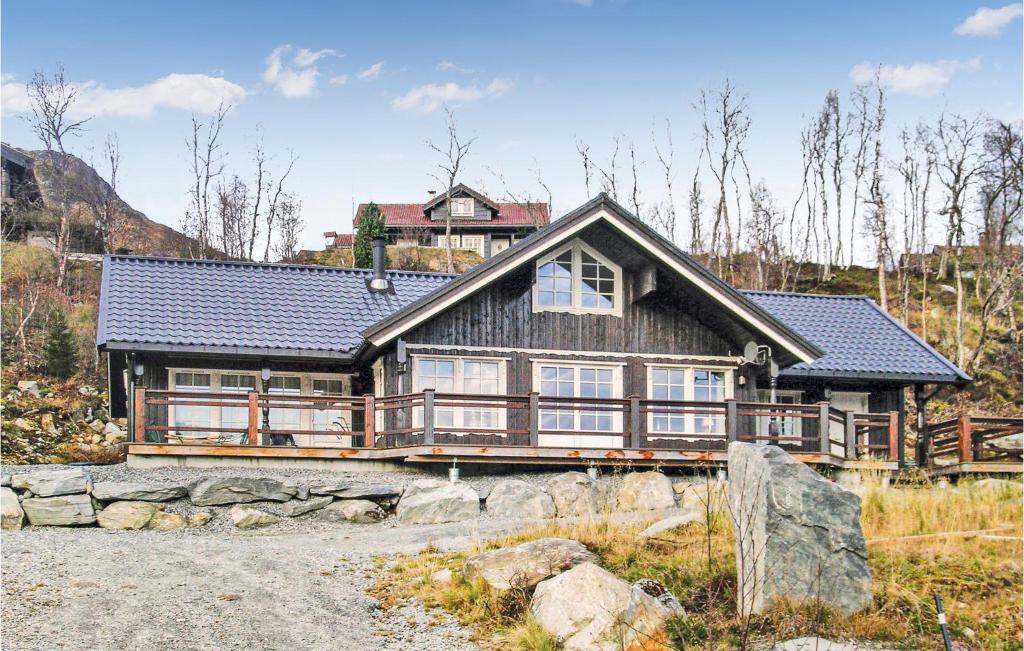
(578, 248)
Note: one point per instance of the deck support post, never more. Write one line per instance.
(253, 436)
(921, 403)
(534, 419)
(965, 446)
(634, 422)
(731, 424)
(369, 422)
(824, 443)
(139, 420)
(894, 436)
(428, 417)
(850, 429)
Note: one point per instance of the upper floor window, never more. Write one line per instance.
(578, 279)
(461, 206)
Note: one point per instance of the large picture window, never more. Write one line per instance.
(578, 279)
(685, 383)
(480, 376)
(557, 379)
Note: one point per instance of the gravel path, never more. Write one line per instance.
(299, 584)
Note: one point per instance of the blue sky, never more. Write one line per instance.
(523, 77)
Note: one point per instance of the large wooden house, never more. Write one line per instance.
(592, 340)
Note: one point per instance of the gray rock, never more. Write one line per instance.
(62, 510)
(1011, 442)
(798, 536)
(5, 479)
(526, 565)
(359, 511)
(670, 523)
(11, 514)
(384, 494)
(296, 507)
(114, 434)
(97, 425)
(127, 515)
(442, 576)
(49, 483)
(430, 501)
(198, 519)
(247, 517)
(646, 491)
(821, 644)
(327, 489)
(23, 425)
(30, 387)
(515, 498)
(573, 493)
(302, 493)
(234, 490)
(662, 595)
(113, 491)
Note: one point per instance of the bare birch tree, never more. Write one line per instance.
(860, 127)
(290, 227)
(452, 154)
(207, 164)
(583, 150)
(273, 200)
(610, 174)
(695, 205)
(878, 217)
(666, 155)
(765, 219)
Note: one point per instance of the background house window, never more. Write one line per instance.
(577, 279)
(461, 206)
(473, 243)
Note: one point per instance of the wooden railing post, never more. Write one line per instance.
(428, 417)
(369, 421)
(534, 419)
(253, 435)
(850, 431)
(139, 435)
(894, 436)
(731, 421)
(634, 422)
(824, 438)
(963, 431)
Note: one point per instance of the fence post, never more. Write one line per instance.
(634, 422)
(731, 424)
(894, 436)
(534, 419)
(139, 435)
(824, 442)
(369, 421)
(253, 437)
(851, 435)
(963, 430)
(428, 417)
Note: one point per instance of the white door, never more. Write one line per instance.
(584, 381)
(497, 246)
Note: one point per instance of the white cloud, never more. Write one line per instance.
(338, 80)
(430, 97)
(190, 92)
(297, 79)
(915, 79)
(446, 65)
(371, 73)
(989, 22)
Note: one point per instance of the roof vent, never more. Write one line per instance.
(379, 282)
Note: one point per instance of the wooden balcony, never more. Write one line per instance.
(432, 426)
(969, 444)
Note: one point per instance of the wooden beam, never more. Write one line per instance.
(253, 435)
(534, 419)
(824, 441)
(139, 435)
(428, 416)
(369, 421)
(634, 421)
(850, 435)
(963, 431)
(894, 436)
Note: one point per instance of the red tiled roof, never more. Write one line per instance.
(343, 240)
(509, 214)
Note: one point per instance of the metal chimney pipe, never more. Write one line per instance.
(379, 282)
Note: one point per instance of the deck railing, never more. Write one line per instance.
(431, 418)
(975, 438)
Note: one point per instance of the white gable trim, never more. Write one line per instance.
(626, 229)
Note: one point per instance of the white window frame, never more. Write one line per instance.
(578, 247)
(689, 391)
(458, 385)
(582, 439)
(465, 212)
(793, 423)
(474, 243)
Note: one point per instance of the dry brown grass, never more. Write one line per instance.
(979, 578)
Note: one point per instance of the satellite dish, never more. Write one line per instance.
(750, 355)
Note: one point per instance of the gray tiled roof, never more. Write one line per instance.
(206, 303)
(859, 339)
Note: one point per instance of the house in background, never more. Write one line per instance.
(591, 339)
(478, 223)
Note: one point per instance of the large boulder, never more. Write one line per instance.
(526, 565)
(432, 501)
(11, 515)
(247, 517)
(114, 491)
(588, 608)
(62, 510)
(127, 515)
(212, 491)
(359, 511)
(293, 508)
(515, 498)
(574, 493)
(48, 483)
(646, 491)
(798, 535)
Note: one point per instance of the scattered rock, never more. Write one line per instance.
(296, 507)
(59, 511)
(198, 519)
(698, 495)
(526, 565)
(127, 515)
(162, 521)
(11, 515)
(87, 390)
(30, 387)
(46, 422)
(442, 576)
(233, 490)
(302, 493)
(23, 425)
(646, 491)
(662, 595)
(97, 426)
(670, 523)
(113, 434)
(1011, 442)
(49, 483)
(361, 511)
(589, 608)
(515, 498)
(573, 494)
(799, 537)
(431, 501)
(113, 491)
(247, 517)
